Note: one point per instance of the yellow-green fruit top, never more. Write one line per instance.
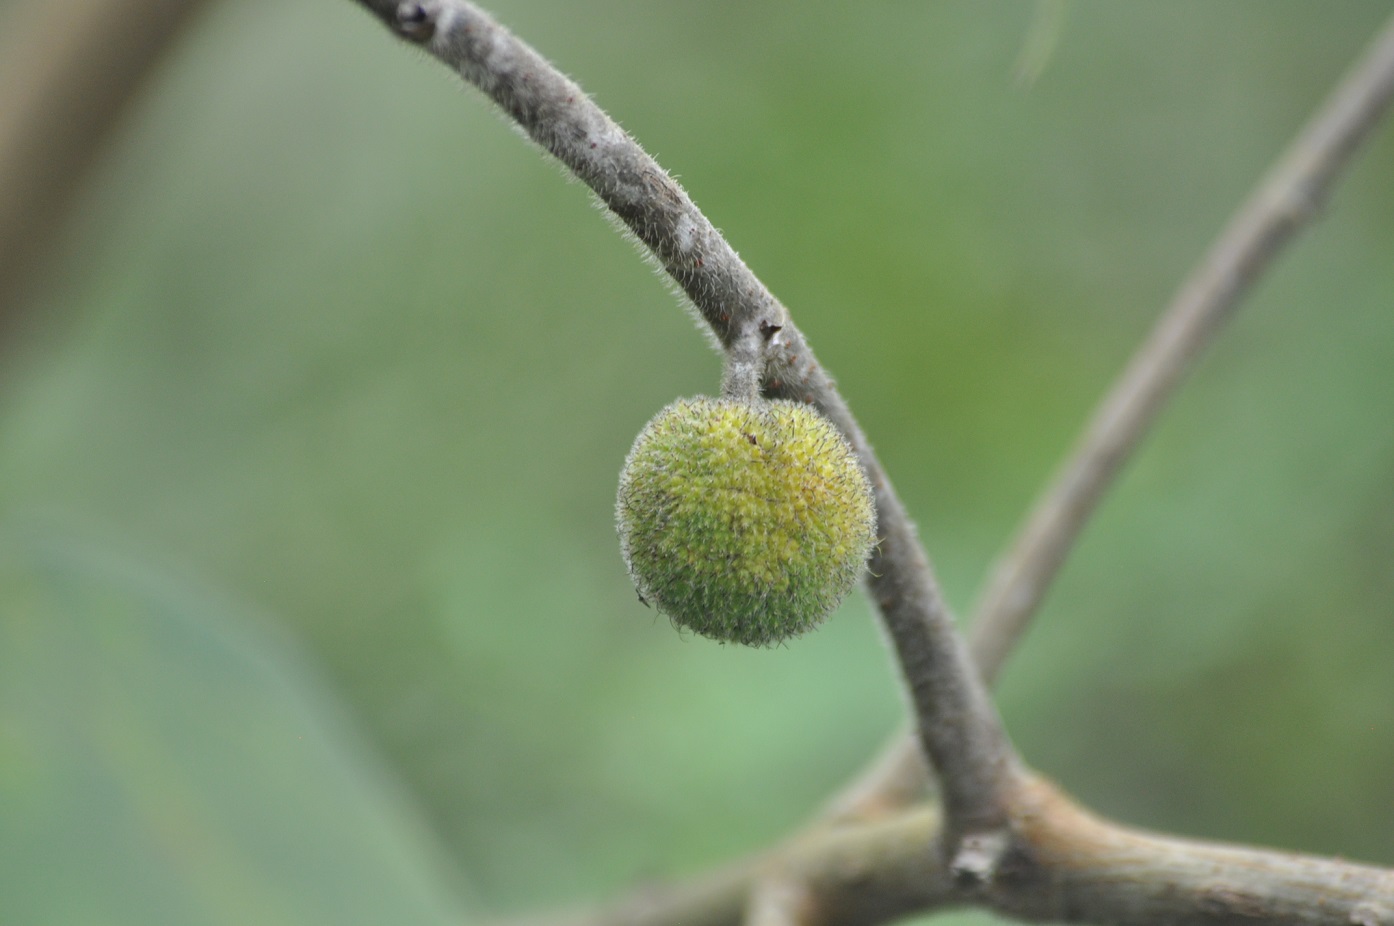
(744, 521)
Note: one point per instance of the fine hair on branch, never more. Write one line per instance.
(998, 836)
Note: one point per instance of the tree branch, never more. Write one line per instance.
(72, 68)
(957, 724)
(1064, 865)
(1006, 840)
(1075, 867)
(1289, 197)
(1283, 203)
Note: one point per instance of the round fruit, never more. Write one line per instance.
(744, 521)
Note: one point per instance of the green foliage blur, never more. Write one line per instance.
(311, 608)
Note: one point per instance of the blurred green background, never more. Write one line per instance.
(311, 609)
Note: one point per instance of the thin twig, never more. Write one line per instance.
(957, 723)
(1288, 199)
(71, 70)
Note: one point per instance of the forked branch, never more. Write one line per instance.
(1005, 839)
(1064, 865)
(957, 724)
(1288, 198)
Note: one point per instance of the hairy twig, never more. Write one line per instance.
(71, 68)
(957, 724)
(1004, 838)
(1289, 197)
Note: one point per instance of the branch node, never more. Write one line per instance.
(780, 901)
(979, 858)
(746, 359)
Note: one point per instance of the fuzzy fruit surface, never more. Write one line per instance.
(744, 521)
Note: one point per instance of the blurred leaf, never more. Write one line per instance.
(161, 763)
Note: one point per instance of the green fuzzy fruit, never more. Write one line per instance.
(744, 521)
